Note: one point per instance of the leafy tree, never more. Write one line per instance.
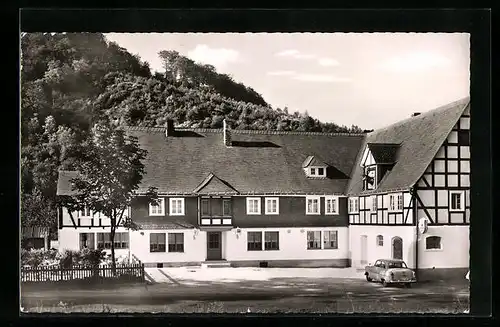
(110, 171)
(35, 211)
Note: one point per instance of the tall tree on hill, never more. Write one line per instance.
(39, 167)
(62, 74)
(110, 172)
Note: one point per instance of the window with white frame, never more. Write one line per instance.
(370, 178)
(392, 203)
(87, 241)
(254, 241)
(353, 205)
(330, 239)
(312, 205)
(272, 206)
(271, 241)
(374, 203)
(395, 202)
(457, 202)
(313, 240)
(253, 206)
(104, 240)
(331, 205)
(175, 242)
(380, 240)
(176, 206)
(157, 209)
(85, 213)
(157, 242)
(433, 243)
(317, 171)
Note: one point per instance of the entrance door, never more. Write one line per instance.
(397, 248)
(364, 249)
(214, 249)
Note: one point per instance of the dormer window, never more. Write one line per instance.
(317, 171)
(377, 161)
(370, 177)
(313, 167)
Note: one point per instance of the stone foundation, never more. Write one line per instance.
(171, 264)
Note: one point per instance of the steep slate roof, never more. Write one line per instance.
(420, 138)
(268, 162)
(261, 162)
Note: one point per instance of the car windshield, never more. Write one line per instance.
(396, 264)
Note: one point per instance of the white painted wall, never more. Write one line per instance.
(195, 246)
(455, 248)
(374, 252)
(292, 246)
(69, 239)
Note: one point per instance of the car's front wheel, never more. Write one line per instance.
(368, 278)
(384, 283)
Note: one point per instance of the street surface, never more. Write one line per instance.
(263, 291)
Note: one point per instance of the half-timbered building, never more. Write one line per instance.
(279, 198)
(414, 172)
(247, 197)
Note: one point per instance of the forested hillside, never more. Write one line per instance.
(68, 80)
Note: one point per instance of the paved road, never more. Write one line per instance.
(298, 294)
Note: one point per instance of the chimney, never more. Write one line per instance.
(415, 114)
(169, 131)
(227, 133)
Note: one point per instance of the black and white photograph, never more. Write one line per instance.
(245, 172)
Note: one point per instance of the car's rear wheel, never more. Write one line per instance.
(384, 283)
(368, 278)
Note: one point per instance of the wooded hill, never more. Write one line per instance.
(69, 80)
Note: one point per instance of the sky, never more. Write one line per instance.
(366, 79)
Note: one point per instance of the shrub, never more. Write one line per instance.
(33, 258)
(68, 258)
(65, 259)
(118, 260)
(40, 257)
(92, 257)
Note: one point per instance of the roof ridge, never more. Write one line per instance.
(465, 101)
(240, 131)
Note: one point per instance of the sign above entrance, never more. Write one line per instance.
(422, 225)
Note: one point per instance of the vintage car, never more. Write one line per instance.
(390, 271)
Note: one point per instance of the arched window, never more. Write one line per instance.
(397, 248)
(433, 243)
(380, 240)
